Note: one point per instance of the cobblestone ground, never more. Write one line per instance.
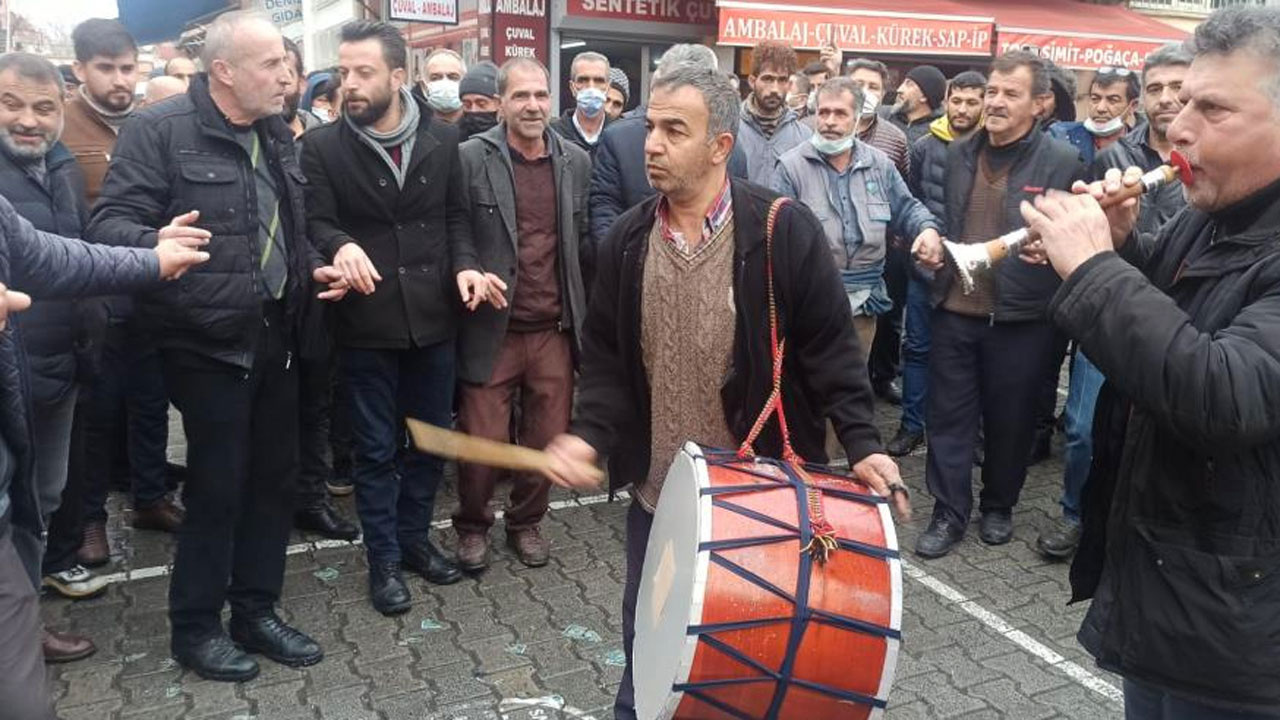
(987, 631)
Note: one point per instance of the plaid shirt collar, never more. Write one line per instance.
(717, 217)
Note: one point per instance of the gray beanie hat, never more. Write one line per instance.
(481, 79)
(618, 79)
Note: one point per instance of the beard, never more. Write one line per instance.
(23, 152)
(374, 109)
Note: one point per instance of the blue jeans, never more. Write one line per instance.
(386, 386)
(1082, 396)
(915, 354)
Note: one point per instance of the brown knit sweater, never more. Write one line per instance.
(686, 336)
(984, 220)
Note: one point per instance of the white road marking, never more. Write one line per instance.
(998, 625)
(1078, 674)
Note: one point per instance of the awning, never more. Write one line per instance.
(932, 28)
(1072, 34)
(1077, 35)
(151, 21)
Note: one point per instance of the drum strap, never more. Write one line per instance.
(824, 535)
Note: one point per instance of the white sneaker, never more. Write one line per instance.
(76, 582)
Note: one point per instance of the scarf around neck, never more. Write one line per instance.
(404, 136)
(112, 118)
(768, 123)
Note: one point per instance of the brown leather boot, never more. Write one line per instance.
(65, 647)
(162, 516)
(94, 551)
(532, 549)
(473, 551)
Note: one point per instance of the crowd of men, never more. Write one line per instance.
(352, 247)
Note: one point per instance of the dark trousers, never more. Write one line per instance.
(385, 387)
(540, 366)
(242, 460)
(319, 455)
(982, 375)
(1047, 400)
(915, 354)
(639, 523)
(127, 422)
(23, 693)
(886, 350)
(66, 526)
(51, 422)
(1145, 702)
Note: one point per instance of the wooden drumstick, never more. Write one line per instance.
(480, 451)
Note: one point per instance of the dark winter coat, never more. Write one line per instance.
(52, 329)
(819, 382)
(48, 267)
(1181, 546)
(488, 179)
(418, 237)
(180, 155)
(1023, 290)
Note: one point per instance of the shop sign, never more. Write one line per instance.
(425, 11)
(1080, 52)
(683, 12)
(521, 28)
(746, 25)
(281, 12)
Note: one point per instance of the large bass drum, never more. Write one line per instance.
(735, 617)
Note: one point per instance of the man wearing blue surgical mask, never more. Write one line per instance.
(441, 77)
(589, 83)
(858, 195)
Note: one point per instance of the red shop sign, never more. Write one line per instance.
(683, 12)
(521, 28)
(747, 25)
(1081, 52)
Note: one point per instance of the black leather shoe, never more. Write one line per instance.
(424, 559)
(217, 659)
(904, 442)
(996, 527)
(267, 635)
(326, 521)
(942, 535)
(1060, 541)
(387, 591)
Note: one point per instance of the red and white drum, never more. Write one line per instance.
(735, 619)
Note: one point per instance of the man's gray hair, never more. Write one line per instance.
(1243, 28)
(220, 36)
(687, 54)
(588, 56)
(519, 63)
(33, 67)
(723, 105)
(840, 85)
(446, 51)
(1175, 53)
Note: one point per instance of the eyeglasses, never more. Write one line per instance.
(1121, 71)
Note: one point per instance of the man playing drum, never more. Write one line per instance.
(676, 344)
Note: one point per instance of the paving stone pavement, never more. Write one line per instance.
(523, 644)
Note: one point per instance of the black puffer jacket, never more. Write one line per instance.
(929, 175)
(181, 155)
(1181, 546)
(48, 267)
(51, 329)
(1023, 290)
(819, 382)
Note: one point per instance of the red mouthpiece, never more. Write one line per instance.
(1183, 167)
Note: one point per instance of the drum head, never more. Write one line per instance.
(671, 587)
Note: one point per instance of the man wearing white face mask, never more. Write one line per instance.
(1113, 96)
(441, 78)
(589, 83)
(858, 196)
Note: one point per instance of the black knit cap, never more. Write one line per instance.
(931, 82)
